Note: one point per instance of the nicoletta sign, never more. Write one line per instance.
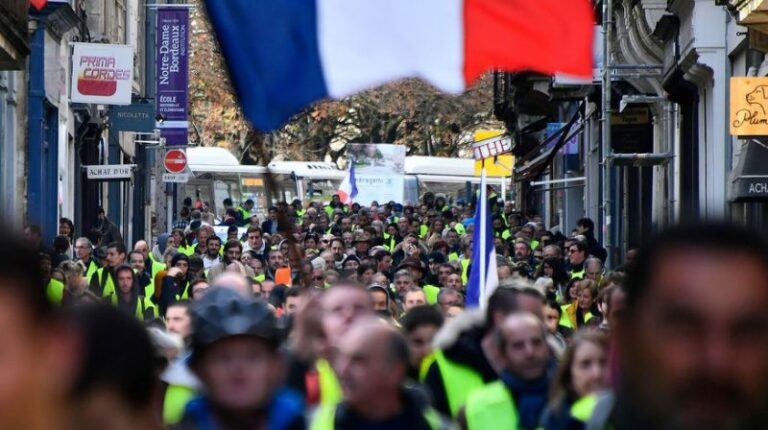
(102, 74)
(749, 107)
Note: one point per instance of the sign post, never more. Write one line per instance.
(175, 162)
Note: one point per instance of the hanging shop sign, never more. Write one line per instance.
(110, 172)
(101, 74)
(749, 107)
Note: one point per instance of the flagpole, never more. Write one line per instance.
(483, 264)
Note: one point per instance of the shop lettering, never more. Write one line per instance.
(170, 51)
(748, 117)
(102, 69)
(109, 171)
(758, 188)
(133, 115)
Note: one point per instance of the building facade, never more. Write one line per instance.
(668, 151)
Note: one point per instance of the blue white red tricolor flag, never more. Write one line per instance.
(348, 188)
(483, 278)
(283, 55)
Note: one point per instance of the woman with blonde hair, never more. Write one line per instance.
(584, 310)
(583, 372)
(76, 290)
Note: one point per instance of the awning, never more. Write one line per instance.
(533, 163)
(750, 178)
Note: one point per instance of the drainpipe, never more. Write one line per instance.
(606, 130)
(36, 129)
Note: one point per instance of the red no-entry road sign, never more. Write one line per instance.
(175, 161)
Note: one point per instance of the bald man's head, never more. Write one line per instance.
(372, 364)
(234, 281)
(142, 247)
(522, 341)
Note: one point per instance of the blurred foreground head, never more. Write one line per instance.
(118, 383)
(694, 336)
(37, 352)
(235, 350)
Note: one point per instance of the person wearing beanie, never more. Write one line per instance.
(174, 285)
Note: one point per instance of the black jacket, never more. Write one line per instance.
(412, 418)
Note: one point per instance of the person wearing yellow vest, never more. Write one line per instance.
(579, 313)
(420, 324)
(84, 253)
(582, 373)
(577, 256)
(143, 277)
(342, 307)
(451, 236)
(416, 268)
(102, 283)
(518, 399)
(127, 298)
(174, 284)
(179, 241)
(54, 288)
(372, 363)
(593, 269)
(466, 357)
(244, 210)
(182, 386)
(499, 229)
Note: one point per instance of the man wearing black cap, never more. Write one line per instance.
(236, 355)
(362, 245)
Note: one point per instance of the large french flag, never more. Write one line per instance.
(285, 54)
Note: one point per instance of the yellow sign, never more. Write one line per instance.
(498, 167)
(749, 107)
(487, 134)
(503, 165)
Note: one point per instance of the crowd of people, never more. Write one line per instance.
(334, 316)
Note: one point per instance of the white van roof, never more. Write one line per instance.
(443, 166)
(307, 169)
